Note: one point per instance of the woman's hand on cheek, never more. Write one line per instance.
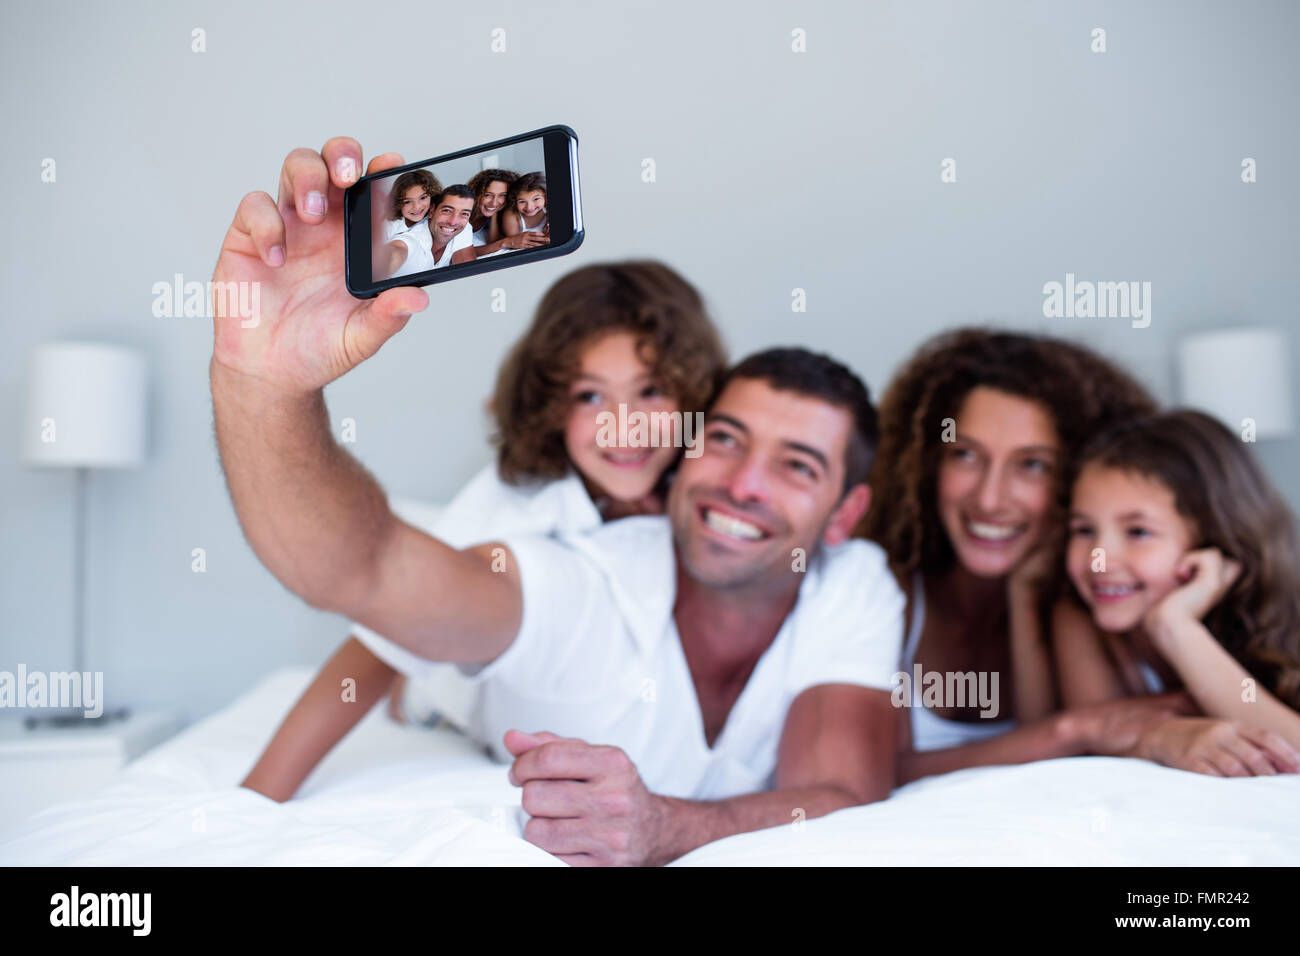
(1034, 570)
(1205, 576)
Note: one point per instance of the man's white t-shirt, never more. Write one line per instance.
(419, 245)
(598, 656)
(486, 509)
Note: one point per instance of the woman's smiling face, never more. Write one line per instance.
(997, 480)
(493, 198)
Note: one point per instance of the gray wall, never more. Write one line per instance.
(775, 170)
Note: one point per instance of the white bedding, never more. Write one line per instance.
(410, 796)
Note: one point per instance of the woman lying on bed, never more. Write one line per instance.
(634, 334)
(979, 436)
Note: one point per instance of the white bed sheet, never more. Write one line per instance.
(391, 795)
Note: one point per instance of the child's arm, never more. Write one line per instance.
(1084, 671)
(1212, 676)
(1217, 681)
(511, 222)
(321, 718)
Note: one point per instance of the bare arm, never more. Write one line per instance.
(1085, 672)
(323, 715)
(1217, 682)
(1031, 664)
(397, 253)
(314, 516)
(1112, 728)
(521, 240)
(1045, 739)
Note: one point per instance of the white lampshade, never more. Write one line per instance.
(86, 406)
(1235, 374)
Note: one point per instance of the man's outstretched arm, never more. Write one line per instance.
(589, 805)
(313, 515)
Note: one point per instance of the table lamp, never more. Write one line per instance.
(86, 408)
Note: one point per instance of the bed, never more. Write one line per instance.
(392, 795)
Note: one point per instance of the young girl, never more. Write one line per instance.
(1184, 565)
(527, 207)
(633, 334)
(409, 201)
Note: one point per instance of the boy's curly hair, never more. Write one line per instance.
(414, 177)
(675, 338)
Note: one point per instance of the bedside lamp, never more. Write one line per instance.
(1240, 373)
(86, 408)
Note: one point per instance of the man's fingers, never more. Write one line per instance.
(518, 742)
(304, 186)
(342, 155)
(557, 760)
(259, 220)
(560, 836)
(399, 304)
(385, 161)
(577, 859)
(554, 798)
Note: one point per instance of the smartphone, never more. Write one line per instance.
(476, 210)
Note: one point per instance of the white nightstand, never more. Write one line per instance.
(44, 765)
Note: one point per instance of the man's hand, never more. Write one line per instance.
(587, 803)
(309, 329)
(1219, 748)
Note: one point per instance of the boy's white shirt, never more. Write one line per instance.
(395, 227)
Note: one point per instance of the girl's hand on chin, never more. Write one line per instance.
(1206, 575)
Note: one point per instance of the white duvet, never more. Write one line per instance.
(411, 796)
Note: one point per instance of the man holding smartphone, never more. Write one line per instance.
(444, 239)
(724, 668)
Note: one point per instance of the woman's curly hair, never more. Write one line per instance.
(481, 180)
(675, 338)
(1081, 391)
(1218, 485)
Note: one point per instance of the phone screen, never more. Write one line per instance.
(488, 207)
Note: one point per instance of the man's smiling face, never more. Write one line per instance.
(450, 218)
(770, 480)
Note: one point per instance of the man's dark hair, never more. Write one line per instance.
(460, 191)
(819, 376)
